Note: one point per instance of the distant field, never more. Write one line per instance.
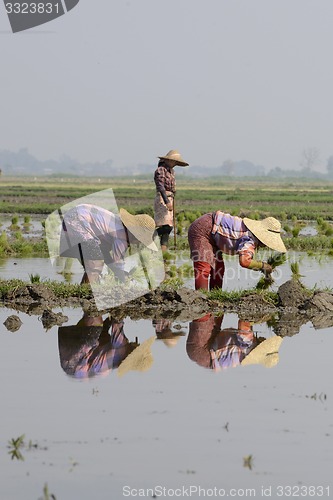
(256, 198)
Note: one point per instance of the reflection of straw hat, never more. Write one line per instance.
(142, 226)
(140, 359)
(266, 353)
(175, 156)
(170, 338)
(170, 342)
(268, 231)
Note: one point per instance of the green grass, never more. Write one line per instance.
(60, 289)
(291, 201)
(294, 198)
(236, 295)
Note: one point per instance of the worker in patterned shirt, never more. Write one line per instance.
(165, 192)
(93, 347)
(96, 236)
(217, 233)
(212, 347)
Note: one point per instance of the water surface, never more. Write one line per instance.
(178, 424)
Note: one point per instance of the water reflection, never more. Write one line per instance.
(212, 347)
(165, 333)
(97, 346)
(93, 346)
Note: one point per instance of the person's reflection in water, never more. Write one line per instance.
(164, 332)
(93, 346)
(211, 347)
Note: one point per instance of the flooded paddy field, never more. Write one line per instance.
(123, 406)
(166, 419)
(315, 270)
(188, 402)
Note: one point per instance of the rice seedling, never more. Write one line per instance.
(295, 231)
(46, 494)
(67, 270)
(248, 461)
(267, 280)
(294, 267)
(15, 446)
(172, 282)
(14, 225)
(169, 256)
(4, 245)
(34, 278)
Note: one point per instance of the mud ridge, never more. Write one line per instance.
(295, 306)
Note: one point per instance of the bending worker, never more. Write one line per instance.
(165, 192)
(96, 236)
(217, 233)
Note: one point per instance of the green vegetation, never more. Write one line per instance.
(20, 246)
(34, 278)
(292, 201)
(60, 289)
(235, 296)
(267, 280)
(248, 461)
(294, 267)
(15, 446)
(46, 494)
(303, 199)
(14, 225)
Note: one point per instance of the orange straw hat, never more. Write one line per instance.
(142, 226)
(174, 155)
(268, 231)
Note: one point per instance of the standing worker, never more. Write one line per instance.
(165, 193)
(218, 233)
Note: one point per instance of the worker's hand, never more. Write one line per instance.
(169, 206)
(266, 268)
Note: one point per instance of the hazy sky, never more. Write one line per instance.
(129, 80)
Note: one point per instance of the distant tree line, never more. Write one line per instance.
(25, 164)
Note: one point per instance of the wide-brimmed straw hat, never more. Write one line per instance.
(142, 226)
(140, 359)
(268, 231)
(266, 353)
(174, 155)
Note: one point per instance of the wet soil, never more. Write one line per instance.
(294, 307)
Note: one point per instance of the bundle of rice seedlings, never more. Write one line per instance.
(294, 267)
(275, 260)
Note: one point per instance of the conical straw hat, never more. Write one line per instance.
(266, 353)
(142, 226)
(174, 155)
(140, 359)
(268, 231)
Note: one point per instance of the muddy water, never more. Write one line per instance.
(179, 424)
(190, 420)
(315, 271)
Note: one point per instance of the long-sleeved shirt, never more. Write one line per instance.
(104, 229)
(224, 232)
(232, 236)
(164, 178)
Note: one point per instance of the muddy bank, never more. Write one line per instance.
(294, 305)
